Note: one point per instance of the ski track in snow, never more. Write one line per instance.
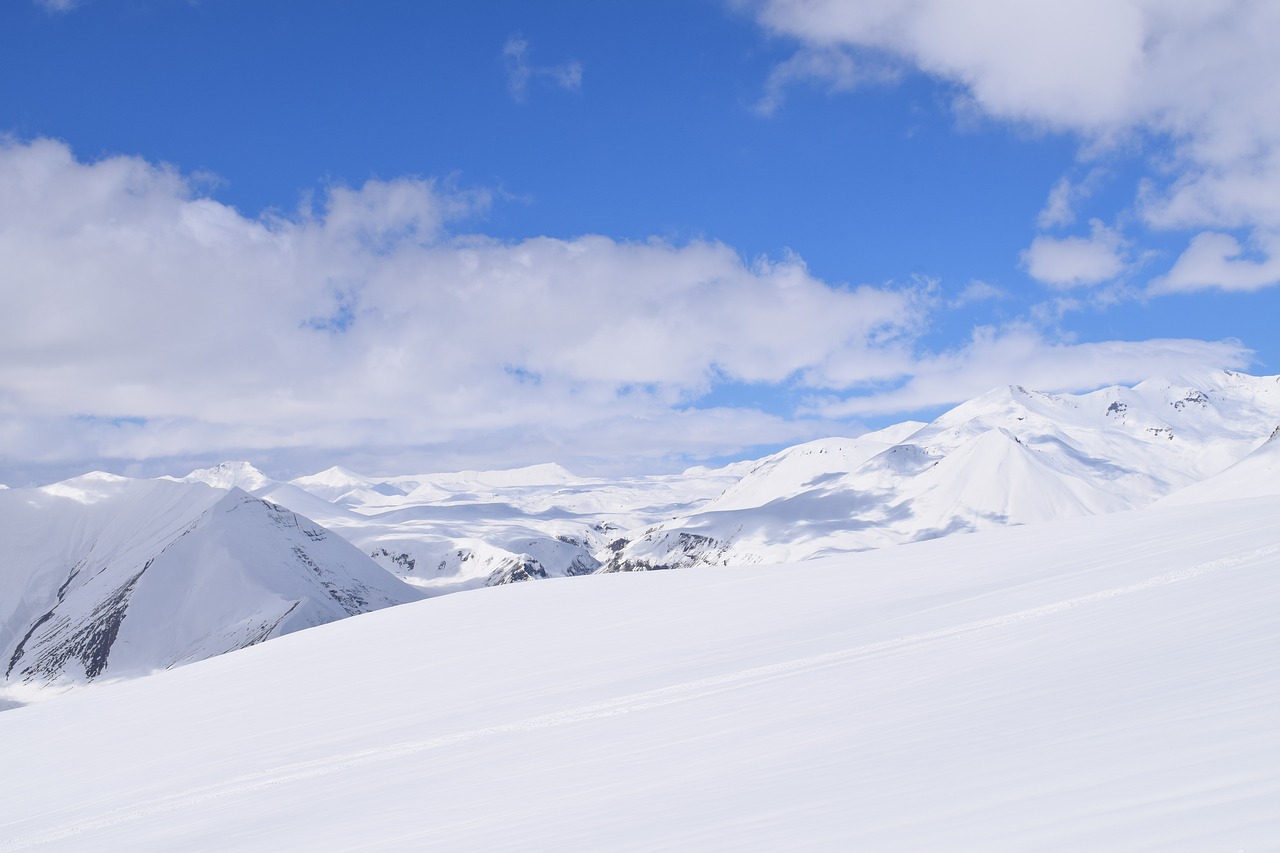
(683, 692)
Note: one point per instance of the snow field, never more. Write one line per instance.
(1101, 683)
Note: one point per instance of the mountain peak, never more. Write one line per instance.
(197, 571)
(87, 488)
(226, 475)
(332, 476)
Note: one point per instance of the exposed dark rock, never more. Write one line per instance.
(517, 570)
(404, 561)
(89, 643)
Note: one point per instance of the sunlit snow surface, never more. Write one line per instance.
(1110, 682)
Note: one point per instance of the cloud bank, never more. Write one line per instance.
(145, 321)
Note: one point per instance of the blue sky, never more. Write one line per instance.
(624, 236)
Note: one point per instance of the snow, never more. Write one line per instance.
(230, 475)
(1105, 682)
(795, 469)
(80, 550)
(1255, 475)
(1093, 667)
(456, 531)
(1011, 456)
(111, 576)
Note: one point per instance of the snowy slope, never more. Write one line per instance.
(807, 465)
(109, 576)
(1255, 475)
(1102, 683)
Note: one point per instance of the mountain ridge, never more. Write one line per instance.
(108, 576)
(1008, 457)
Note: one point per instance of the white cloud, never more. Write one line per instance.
(520, 71)
(57, 6)
(977, 291)
(834, 69)
(1019, 60)
(1060, 207)
(1241, 195)
(1213, 260)
(1074, 261)
(1021, 355)
(1192, 82)
(144, 321)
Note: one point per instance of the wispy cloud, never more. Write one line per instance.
(1021, 354)
(977, 291)
(57, 6)
(832, 69)
(520, 71)
(1060, 207)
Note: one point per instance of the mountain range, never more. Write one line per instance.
(113, 577)
(1040, 621)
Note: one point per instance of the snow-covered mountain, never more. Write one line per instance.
(1099, 673)
(228, 475)
(1255, 475)
(1101, 683)
(454, 531)
(1011, 456)
(198, 579)
(109, 576)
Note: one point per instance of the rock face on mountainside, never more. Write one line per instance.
(105, 576)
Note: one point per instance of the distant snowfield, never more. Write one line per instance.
(1098, 683)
